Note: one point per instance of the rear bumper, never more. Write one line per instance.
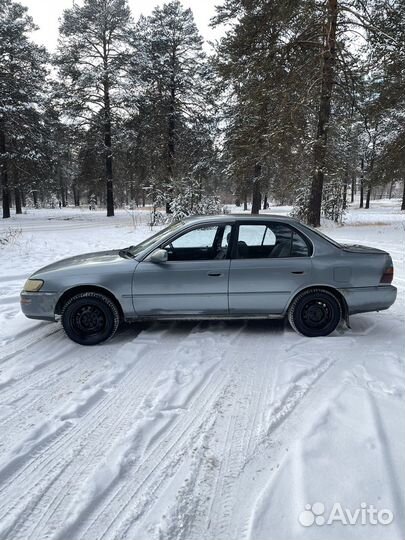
(39, 305)
(363, 299)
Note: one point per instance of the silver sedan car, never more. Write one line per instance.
(228, 266)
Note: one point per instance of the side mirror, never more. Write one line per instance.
(159, 256)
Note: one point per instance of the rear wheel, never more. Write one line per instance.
(90, 318)
(314, 313)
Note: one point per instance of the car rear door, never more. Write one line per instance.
(270, 261)
(194, 281)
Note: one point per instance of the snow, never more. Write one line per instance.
(188, 430)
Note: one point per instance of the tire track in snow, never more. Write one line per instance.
(43, 333)
(124, 502)
(32, 402)
(222, 490)
(162, 463)
(288, 426)
(24, 377)
(24, 380)
(223, 455)
(46, 454)
(136, 384)
(251, 384)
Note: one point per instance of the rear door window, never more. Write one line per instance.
(270, 240)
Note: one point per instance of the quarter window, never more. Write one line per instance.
(299, 247)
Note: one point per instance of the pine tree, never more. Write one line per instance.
(329, 54)
(173, 71)
(93, 54)
(387, 46)
(22, 84)
(291, 77)
(268, 69)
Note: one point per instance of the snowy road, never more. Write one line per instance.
(197, 430)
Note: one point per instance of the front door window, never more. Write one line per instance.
(200, 244)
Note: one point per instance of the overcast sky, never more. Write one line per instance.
(47, 12)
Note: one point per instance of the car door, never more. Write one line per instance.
(270, 261)
(193, 281)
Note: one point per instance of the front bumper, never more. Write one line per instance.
(39, 305)
(364, 299)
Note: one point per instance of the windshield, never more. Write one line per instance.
(155, 238)
(327, 238)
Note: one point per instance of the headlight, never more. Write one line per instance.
(33, 285)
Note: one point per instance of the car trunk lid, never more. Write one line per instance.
(357, 248)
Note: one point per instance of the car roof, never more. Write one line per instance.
(241, 217)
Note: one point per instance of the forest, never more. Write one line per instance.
(301, 103)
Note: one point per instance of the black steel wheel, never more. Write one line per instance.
(314, 313)
(90, 318)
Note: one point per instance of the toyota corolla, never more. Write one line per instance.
(214, 267)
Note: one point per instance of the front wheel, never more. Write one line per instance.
(315, 313)
(90, 318)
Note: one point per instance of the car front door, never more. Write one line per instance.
(194, 279)
(270, 261)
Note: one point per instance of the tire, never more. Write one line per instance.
(90, 318)
(315, 313)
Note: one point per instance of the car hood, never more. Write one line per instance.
(85, 260)
(357, 248)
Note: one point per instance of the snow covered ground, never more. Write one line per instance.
(198, 430)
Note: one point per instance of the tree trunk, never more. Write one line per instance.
(256, 195)
(353, 189)
(265, 203)
(107, 132)
(4, 177)
(62, 187)
(368, 197)
(76, 195)
(17, 197)
(344, 204)
(6, 193)
(362, 183)
(403, 198)
(132, 193)
(171, 133)
(328, 69)
(370, 169)
(108, 151)
(345, 184)
(245, 205)
(391, 188)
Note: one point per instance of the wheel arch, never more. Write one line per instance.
(338, 294)
(69, 293)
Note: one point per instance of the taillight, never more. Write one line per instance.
(388, 275)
